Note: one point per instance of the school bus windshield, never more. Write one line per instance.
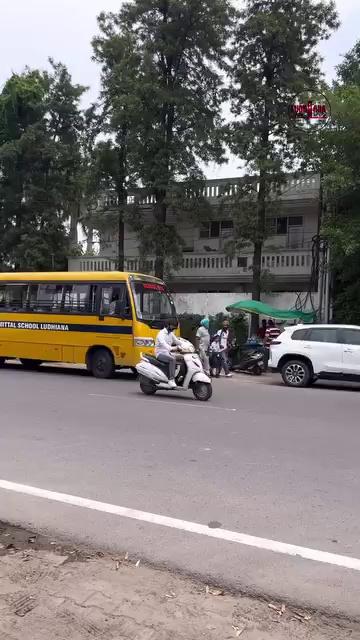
(153, 302)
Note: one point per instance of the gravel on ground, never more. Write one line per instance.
(50, 589)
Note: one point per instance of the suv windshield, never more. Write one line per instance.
(153, 303)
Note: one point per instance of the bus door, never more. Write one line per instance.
(115, 326)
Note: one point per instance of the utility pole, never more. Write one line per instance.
(324, 281)
(321, 273)
(327, 285)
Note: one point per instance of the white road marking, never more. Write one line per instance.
(345, 562)
(187, 404)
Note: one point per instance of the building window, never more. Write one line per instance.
(295, 221)
(216, 229)
(279, 226)
(242, 263)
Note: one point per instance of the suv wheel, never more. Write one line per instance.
(296, 373)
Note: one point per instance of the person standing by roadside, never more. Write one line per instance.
(272, 332)
(226, 338)
(215, 357)
(203, 343)
(262, 331)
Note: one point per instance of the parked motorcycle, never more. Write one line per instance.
(154, 375)
(248, 360)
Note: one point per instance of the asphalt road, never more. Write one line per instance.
(259, 459)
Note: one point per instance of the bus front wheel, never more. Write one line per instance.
(30, 364)
(102, 364)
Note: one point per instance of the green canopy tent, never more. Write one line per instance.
(262, 309)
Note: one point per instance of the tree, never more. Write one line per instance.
(115, 164)
(336, 153)
(40, 162)
(274, 58)
(174, 85)
(68, 128)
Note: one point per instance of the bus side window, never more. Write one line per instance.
(114, 297)
(2, 297)
(93, 299)
(76, 298)
(49, 297)
(32, 297)
(13, 297)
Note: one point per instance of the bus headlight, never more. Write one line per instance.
(144, 342)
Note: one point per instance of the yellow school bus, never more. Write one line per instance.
(102, 319)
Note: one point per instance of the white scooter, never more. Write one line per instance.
(154, 375)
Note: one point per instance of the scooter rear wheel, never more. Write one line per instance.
(257, 371)
(147, 386)
(202, 391)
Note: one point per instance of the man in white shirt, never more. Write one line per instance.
(165, 344)
(225, 338)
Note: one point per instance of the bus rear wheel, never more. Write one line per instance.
(102, 364)
(2, 362)
(32, 365)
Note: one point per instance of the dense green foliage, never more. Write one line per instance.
(339, 161)
(40, 168)
(162, 85)
(274, 58)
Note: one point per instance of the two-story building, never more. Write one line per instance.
(208, 270)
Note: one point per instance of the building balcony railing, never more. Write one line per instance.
(214, 266)
(224, 187)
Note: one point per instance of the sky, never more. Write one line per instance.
(31, 31)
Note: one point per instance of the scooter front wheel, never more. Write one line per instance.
(202, 391)
(147, 386)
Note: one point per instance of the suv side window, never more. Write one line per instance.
(350, 336)
(300, 334)
(323, 335)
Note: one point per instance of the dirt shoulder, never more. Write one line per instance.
(51, 590)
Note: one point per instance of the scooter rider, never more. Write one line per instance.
(165, 344)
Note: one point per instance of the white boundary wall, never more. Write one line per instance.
(213, 303)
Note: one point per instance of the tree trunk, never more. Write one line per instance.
(122, 198)
(256, 283)
(160, 222)
(74, 221)
(159, 267)
(258, 246)
(89, 239)
(121, 242)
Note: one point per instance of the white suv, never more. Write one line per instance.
(304, 353)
